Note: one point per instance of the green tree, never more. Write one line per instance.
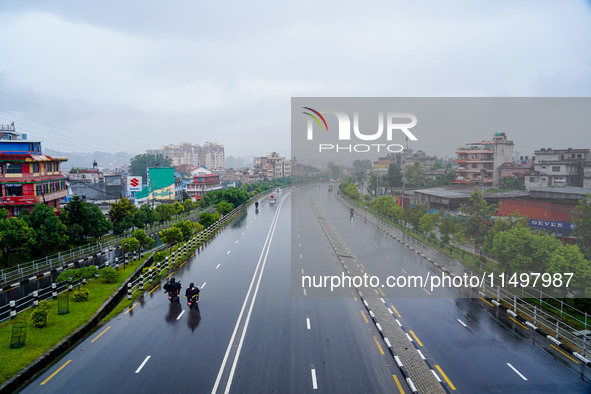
(582, 231)
(426, 224)
(130, 244)
(178, 207)
(186, 228)
(206, 219)
(568, 258)
(360, 170)
(165, 211)
(449, 225)
(415, 176)
(75, 217)
(224, 207)
(512, 183)
(51, 232)
(145, 241)
(122, 215)
(171, 236)
(15, 235)
(437, 166)
(100, 224)
(519, 250)
(386, 205)
(503, 224)
(478, 212)
(335, 170)
(139, 164)
(394, 177)
(188, 205)
(352, 191)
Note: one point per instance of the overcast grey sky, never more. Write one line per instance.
(135, 75)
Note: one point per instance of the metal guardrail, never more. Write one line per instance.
(23, 271)
(517, 302)
(17, 306)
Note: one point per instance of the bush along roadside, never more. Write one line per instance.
(44, 345)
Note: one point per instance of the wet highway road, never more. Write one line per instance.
(476, 351)
(257, 331)
(248, 335)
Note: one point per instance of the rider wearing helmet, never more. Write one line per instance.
(191, 291)
(171, 285)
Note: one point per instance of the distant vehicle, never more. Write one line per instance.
(278, 190)
(272, 200)
(330, 188)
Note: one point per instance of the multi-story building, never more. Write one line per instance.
(27, 176)
(211, 154)
(516, 170)
(273, 165)
(558, 167)
(480, 162)
(202, 184)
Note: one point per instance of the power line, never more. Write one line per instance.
(64, 129)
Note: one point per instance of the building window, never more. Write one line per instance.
(14, 168)
(14, 190)
(35, 167)
(474, 165)
(555, 168)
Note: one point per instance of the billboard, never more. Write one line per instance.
(134, 183)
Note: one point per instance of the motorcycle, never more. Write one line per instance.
(193, 301)
(173, 296)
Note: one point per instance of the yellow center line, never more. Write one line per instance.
(184, 263)
(377, 343)
(364, 317)
(361, 265)
(55, 373)
(169, 275)
(518, 323)
(394, 309)
(415, 337)
(99, 335)
(445, 377)
(486, 301)
(157, 286)
(134, 305)
(398, 384)
(381, 291)
(355, 298)
(564, 353)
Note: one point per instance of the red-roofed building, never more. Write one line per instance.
(202, 184)
(27, 176)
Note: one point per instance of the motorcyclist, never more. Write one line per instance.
(256, 204)
(171, 285)
(352, 212)
(191, 291)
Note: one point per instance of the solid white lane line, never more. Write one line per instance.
(181, 315)
(308, 322)
(262, 261)
(217, 266)
(142, 365)
(203, 285)
(462, 323)
(516, 371)
(314, 383)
